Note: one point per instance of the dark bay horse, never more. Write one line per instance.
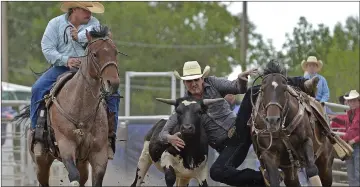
(77, 116)
(286, 134)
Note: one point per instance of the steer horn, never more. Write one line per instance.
(167, 101)
(211, 101)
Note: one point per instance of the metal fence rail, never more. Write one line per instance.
(20, 171)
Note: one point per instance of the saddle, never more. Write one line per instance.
(60, 82)
(317, 112)
(44, 131)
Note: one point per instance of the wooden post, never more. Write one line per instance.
(4, 42)
(243, 36)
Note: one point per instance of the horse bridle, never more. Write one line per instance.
(284, 110)
(91, 54)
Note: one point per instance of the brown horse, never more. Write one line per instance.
(286, 134)
(78, 118)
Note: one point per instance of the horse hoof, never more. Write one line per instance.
(74, 183)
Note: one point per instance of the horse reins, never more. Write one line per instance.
(103, 92)
(284, 111)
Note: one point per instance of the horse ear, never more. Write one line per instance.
(110, 35)
(88, 36)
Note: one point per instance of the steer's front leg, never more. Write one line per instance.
(167, 163)
(170, 176)
(202, 175)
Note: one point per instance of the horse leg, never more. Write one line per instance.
(67, 153)
(143, 165)
(287, 180)
(271, 167)
(43, 164)
(98, 162)
(324, 164)
(83, 170)
(311, 169)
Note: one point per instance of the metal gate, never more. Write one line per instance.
(16, 163)
(18, 168)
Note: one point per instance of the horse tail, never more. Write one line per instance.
(23, 115)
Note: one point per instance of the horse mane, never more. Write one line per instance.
(99, 32)
(274, 67)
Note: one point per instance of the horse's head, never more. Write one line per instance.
(274, 97)
(189, 113)
(101, 63)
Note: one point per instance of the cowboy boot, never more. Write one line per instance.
(311, 86)
(38, 133)
(112, 135)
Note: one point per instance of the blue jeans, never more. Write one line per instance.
(43, 85)
(353, 166)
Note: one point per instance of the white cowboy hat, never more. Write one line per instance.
(352, 95)
(94, 7)
(192, 70)
(311, 59)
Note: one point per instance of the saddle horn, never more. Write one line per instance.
(211, 101)
(167, 101)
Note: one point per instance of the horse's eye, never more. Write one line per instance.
(94, 54)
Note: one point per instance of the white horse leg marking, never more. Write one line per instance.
(143, 164)
(75, 183)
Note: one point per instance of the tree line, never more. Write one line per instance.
(161, 36)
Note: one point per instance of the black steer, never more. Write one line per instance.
(190, 162)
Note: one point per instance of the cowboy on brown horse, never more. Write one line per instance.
(288, 131)
(77, 127)
(65, 54)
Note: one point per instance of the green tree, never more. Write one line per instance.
(157, 36)
(338, 51)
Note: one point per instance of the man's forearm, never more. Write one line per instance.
(168, 127)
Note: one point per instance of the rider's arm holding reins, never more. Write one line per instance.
(49, 43)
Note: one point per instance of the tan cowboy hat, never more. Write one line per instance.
(311, 59)
(192, 70)
(352, 95)
(94, 7)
